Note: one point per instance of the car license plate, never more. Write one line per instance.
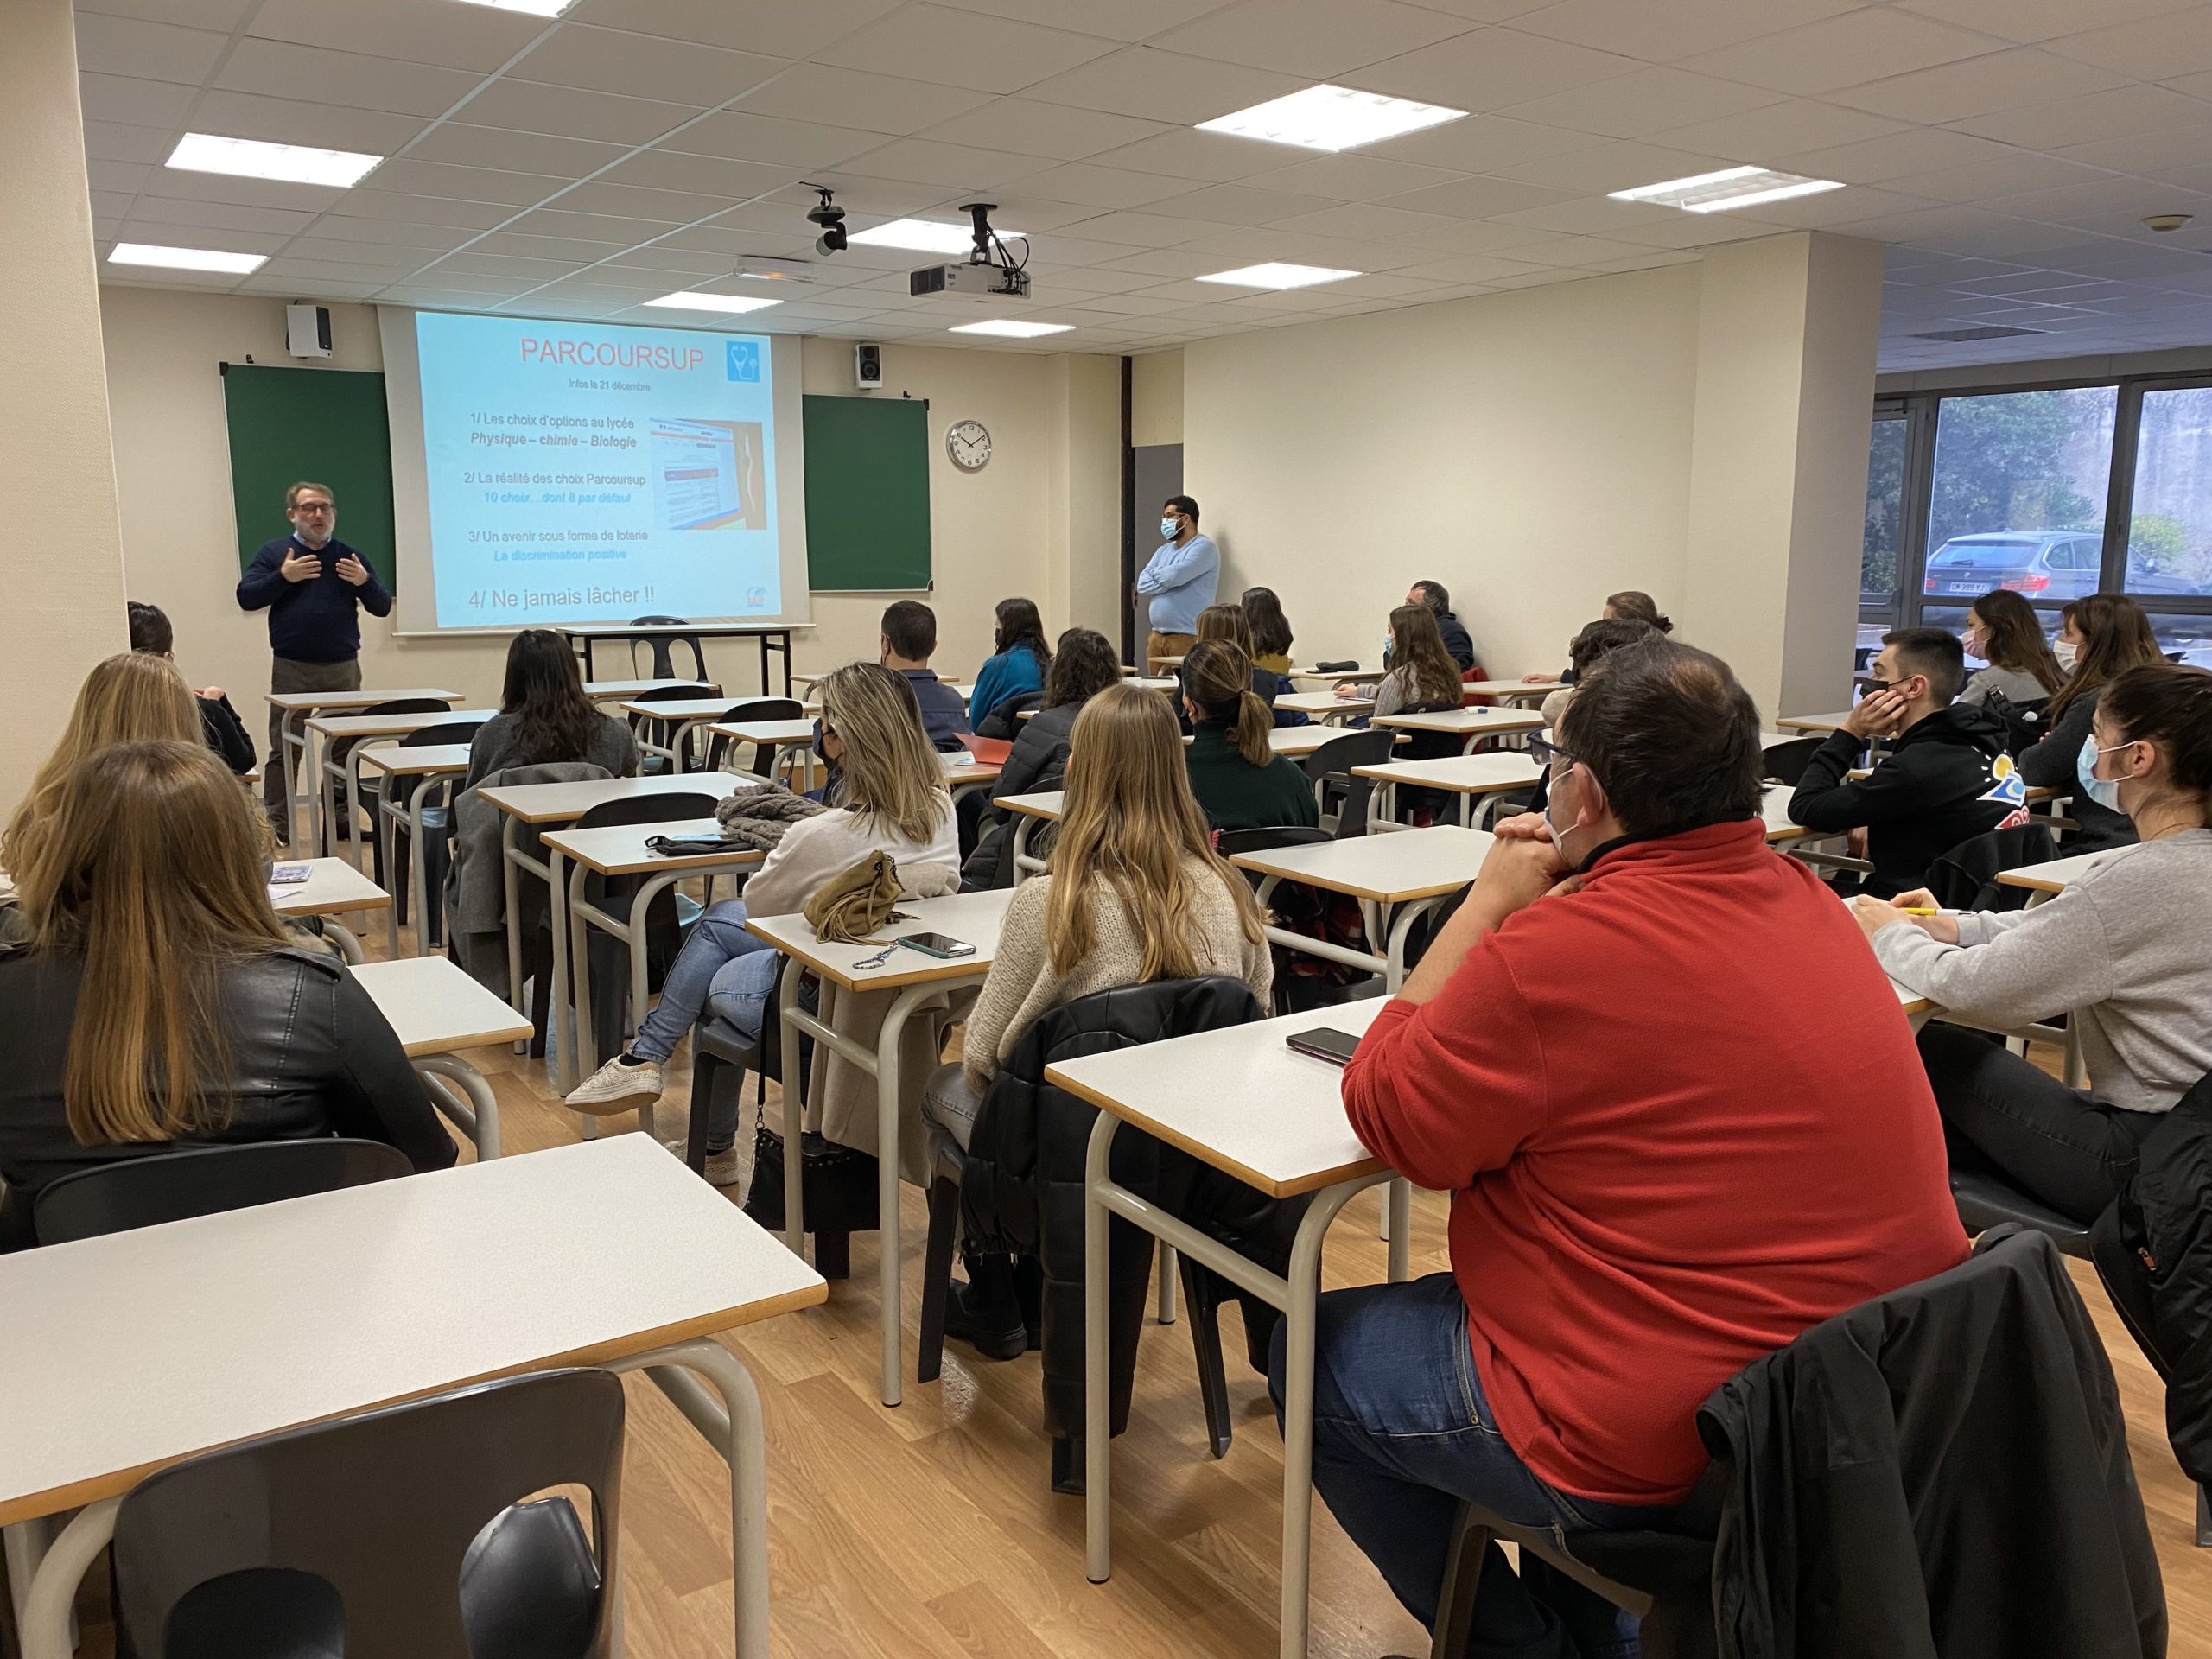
(1967, 587)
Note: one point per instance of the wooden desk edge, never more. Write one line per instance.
(337, 907)
(2029, 879)
(31, 1505)
(513, 1034)
(1251, 1177)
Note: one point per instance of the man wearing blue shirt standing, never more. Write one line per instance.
(1180, 579)
(313, 587)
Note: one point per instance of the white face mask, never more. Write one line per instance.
(2067, 652)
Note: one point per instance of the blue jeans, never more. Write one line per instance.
(722, 970)
(1402, 1435)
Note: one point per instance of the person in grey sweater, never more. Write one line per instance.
(2004, 631)
(2125, 950)
(545, 717)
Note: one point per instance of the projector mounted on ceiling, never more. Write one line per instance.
(990, 272)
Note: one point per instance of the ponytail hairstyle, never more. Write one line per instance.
(1217, 678)
(1418, 658)
(1638, 608)
(1227, 622)
(1020, 625)
(1271, 634)
(2170, 706)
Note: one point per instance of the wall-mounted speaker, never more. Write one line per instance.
(868, 366)
(307, 330)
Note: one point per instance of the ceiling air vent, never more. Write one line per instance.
(1955, 336)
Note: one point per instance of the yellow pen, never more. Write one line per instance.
(1915, 910)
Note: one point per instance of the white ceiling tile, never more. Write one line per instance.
(1143, 229)
(1483, 143)
(587, 227)
(1361, 221)
(280, 68)
(462, 183)
(1612, 167)
(296, 121)
(2145, 48)
(1843, 51)
(220, 216)
(1102, 186)
(1999, 80)
(659, 256)
(848, 98)
(528, 245)
(643, 66)
(1475, 198)
(782, 28)
(148, 51)
(1170, 262)
(1558, 250)
(1646, 101)
(2097, 195)
(520, 272)
(142, 103)
(1060, 131)
(1662, 34)
(424, 210)
(1358, 177)
(1794, 125)
(1320, 39)
(1486, 11)
(1589, 216)
(965, 49)
(178, 186)
(1909, 151)
(1490, 68)
(1166, 86)
(2196, 86)
(115, 141)
(465, 144)
(1234, 204)
(1838, 208)
(920, 161)
(2120, 112)
(769, 141)
(572, 112)
(1216, 158)
(325, 289)
(727, 181)
(421, 31)
(1696, 230)
(1470, 268)
(391, 233)
(669, 207)
(2037, 20)
(2151, 153)
(122, 178)
(221, 16)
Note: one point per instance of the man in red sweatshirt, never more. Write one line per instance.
(1681, 1120)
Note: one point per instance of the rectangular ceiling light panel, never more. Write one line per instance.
(1278, 275)
(147, 254)
(1332, 118)
(722, 304)
(1009, 329)
(1732, 186)
(249, 158)
(535, 8)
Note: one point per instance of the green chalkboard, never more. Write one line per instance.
(867, 493)
(324, 424)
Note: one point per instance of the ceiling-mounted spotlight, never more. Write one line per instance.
(831, 217)
(2168, 221)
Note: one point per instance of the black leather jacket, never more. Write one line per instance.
(306, 1054)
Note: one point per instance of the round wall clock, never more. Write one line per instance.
(967, 445)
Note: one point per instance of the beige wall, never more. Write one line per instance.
(1529, 450)
(57, 477)
(1156, 398)
(995, 532)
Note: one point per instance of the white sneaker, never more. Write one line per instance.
(721, 1166)
(615, 1081)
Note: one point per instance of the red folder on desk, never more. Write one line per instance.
(987, 750)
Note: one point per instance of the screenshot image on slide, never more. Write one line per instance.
(581, 472)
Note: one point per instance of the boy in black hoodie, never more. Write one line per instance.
(1945, 779)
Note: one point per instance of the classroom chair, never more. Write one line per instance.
(1331, 766)
(392, 1532)
(664, 649)
(657, 731)
(1785, 762)
(404, 790)
(167, 1187)
(754, 708)
(334, 755)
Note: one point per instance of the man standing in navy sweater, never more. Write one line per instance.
(313, 585)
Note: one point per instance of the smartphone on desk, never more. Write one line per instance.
(289, 875)
(1324, 1043)
(941, 946)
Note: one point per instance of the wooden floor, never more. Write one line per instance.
(930, 1531)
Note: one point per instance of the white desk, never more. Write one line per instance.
(334, 886)
(1042, 806)
(1472, 725)
(1508, 692)
(537, 805)
(421, 763)
(1240, 1100)
(622, 691)
(772, 637)
(298, 707)
(774, 735)
(2047, 880)
(357, 1303)
(620, 849)
(1779, 826)
(1337, 676)
(1325, 706)
(964, 774)
(1397, 879)
(918, 981)
(680, 716)
(322, 807)
(435, 1009)
(1803, 723)
(1467, 776)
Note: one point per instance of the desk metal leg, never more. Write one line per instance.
(291, 734)
(481, 1124)
(794, 1114)
(419, 884)
(1098, 1363)
(632, 934)
(560, 1018)
(44, 1628)
(1398, 1208)
(887, 1178)
(510, 888)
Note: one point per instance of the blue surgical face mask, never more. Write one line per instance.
(2105, 792)
(1169, 529)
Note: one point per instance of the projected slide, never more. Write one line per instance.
(577, 472)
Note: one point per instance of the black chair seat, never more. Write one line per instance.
(1985, 1201)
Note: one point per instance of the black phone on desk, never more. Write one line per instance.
(1324, 1043)
(943, 945)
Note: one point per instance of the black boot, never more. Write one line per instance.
(983, 1312)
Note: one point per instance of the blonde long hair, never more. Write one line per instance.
(1217, 678)
(153, 873)
(1130, 823)
(891, 777)
(125, 699)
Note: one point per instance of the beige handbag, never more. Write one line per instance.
(849, 907)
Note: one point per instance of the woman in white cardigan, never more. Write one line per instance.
(1135, 892)
(892, 798)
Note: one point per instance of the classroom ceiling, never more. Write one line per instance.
(2007, 151)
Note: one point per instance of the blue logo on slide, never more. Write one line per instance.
(744, 359)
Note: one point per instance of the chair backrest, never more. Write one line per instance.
(1233, 842)
(752, 708)
(1965, 877)
(641, 809)
(1476, 675)
(1332, 763)
(1987, 1201)
(406, 1519)
(343, 746)
(431, 737)
(664, 652)
(204, 1181)
(1785, 763)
